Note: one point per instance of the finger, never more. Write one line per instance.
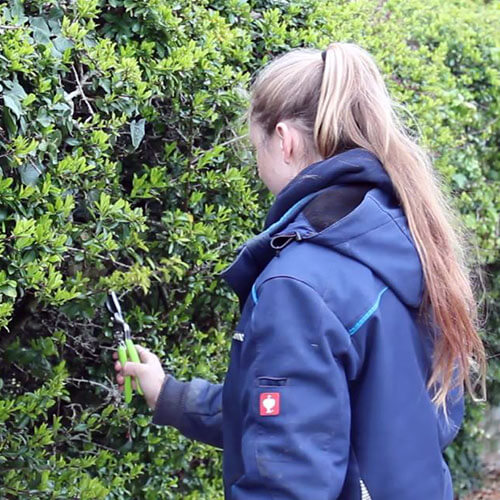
(145, 354)
(115, 355)
(120, 379)
(118, 366)
(134, 369)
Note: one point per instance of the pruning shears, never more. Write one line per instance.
(125, 344)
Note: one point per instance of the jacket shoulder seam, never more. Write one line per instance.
(294, 278)
(286, 276)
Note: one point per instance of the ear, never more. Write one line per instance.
(288, 141)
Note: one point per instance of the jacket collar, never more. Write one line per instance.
(284, 219)
(353, 166)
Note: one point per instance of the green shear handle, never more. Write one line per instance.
(126, 348)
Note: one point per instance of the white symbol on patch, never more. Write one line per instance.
(269, 403)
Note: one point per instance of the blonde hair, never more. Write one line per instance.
(343, 102)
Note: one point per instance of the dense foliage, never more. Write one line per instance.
(123, 168)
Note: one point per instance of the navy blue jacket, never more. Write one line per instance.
(325, 397)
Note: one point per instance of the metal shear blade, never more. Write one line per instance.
(113, 304)
(114, 308)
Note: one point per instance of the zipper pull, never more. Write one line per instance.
(280, 245)
(288, 238)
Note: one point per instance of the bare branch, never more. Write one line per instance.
(92, 112)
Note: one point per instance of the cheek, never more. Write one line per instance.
(259, 158)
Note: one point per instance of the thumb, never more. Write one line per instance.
(145, 354)
(134, 369)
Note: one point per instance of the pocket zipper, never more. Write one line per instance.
(239, 336)
(272, 381)
(364, 492)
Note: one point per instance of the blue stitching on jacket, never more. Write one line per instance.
(367, 315)
(254, 294)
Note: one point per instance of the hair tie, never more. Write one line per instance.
(323, 55)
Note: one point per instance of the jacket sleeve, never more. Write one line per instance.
(298, 447)
(194, 408)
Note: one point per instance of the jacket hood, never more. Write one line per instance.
(375, 232)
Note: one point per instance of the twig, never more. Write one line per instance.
(234, 139)
(99, 445)
(35, 166)
(81, 90)
(126, 266)
(6, 27)
(91, 382)
(16, 491)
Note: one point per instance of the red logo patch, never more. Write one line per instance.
(269, 403)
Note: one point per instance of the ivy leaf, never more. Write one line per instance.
(54, 20)
(9, 291)
(460, 180)
(30, 173)
(9, 122)
(61, 43)
(41, 31)
(17, 90)
(16, 12)
(137, 132)
(13, 104)
(43, 117)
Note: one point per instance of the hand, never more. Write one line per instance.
(149, 372)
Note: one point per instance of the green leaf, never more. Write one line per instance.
(30, 173)
(460, 180)
(137, 131)
(61, 43)
(41, 31)
(18, 90)
(9, 291)
(17, 11)
(10, 122)
(13, 104)
(44, 118)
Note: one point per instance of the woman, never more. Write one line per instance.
(357, 331)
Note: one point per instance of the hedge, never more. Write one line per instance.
(125, 167)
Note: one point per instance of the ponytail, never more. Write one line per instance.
(342, 101)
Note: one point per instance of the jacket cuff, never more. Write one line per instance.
(170, 404)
